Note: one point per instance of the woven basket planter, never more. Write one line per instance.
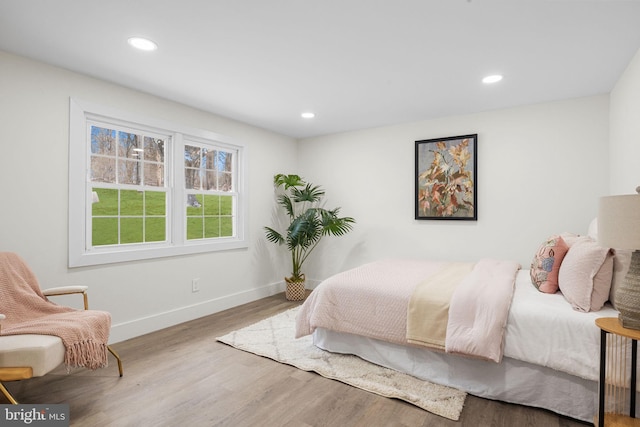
(295, 290)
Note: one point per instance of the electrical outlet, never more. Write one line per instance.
(195, 285)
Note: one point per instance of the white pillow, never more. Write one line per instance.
(593, 229)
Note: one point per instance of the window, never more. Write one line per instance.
(142, 188)
(128, 194)
(210, 200)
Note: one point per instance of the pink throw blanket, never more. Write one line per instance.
(372, 301)
(479, 310)
(84, 333)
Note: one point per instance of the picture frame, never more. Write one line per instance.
(446, 178)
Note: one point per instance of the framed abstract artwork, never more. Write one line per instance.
(446, 178)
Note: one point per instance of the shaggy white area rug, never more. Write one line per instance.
(274, 338)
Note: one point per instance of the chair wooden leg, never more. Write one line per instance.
(7, 394)
(11, 399)
(112, 351)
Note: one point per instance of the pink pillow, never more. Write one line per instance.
(546, 264)
(585, 275)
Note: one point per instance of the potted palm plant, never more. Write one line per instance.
(309, 222)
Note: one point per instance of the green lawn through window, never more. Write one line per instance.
(140, 217)
(212, 218)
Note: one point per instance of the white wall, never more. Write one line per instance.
(141, 296)
(625, 131)
(541, 169)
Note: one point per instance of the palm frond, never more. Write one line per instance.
(310, 193)
(288, 181)
(304, 231)
(286, 202)
(334, 225)
(273, 236)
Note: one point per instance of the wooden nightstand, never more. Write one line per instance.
(611, 325)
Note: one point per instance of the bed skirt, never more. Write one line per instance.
(511, 381)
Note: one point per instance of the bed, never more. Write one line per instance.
(549, 342)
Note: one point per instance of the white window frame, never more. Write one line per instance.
(80, 252)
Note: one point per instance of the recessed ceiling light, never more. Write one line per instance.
(308, 115)
(492, 79)
(142, 43)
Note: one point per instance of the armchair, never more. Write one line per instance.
(37, 335)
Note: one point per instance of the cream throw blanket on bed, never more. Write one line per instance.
(84, 332)
(428, 312)
(463, 308)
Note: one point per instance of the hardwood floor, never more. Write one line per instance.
(181, 376)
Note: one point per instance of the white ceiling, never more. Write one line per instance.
(355, 63)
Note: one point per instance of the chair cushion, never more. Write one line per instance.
(42, 352)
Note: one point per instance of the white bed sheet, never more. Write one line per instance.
(544, 330)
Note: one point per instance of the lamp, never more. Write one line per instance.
(619, 228)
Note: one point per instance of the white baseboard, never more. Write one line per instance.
(144, 325)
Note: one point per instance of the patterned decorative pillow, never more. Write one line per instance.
(585, 275)
(546, 264)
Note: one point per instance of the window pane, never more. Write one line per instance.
(225, 181)
(210, 180)
(226, 205)
(192, 179)
(131, 230)
(128, 145)
(209, 158)
(105, 202)
(131, 202)
(104, 231)
(191, 156)
(211, 227)
(103, 141)
(154, 174)
(194, 228)
(226, 226)
(211, 205)
(153, 149)
(103, 169)
(155, 203)
(225, 161)
(129, 172)
(154, 230)
(194, 205)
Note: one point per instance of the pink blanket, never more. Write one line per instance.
(372, 301)
(84, 333)
(480, 308)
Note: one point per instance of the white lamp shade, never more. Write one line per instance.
(619, 222)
